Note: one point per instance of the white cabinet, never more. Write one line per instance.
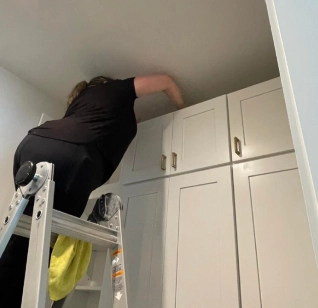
(144, 221)
(144, 238)
(277, 264)
(200, 258)
(149, 154)
(190, 139)
(258, 121)
(181, 234)
(200, 136)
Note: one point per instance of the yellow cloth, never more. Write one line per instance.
(69, 262)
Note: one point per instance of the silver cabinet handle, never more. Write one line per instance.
(174, 160)
(163, 162)
(237, 146)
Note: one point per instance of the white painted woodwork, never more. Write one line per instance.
(104, 189)
(191, 260)
(144, 238)
(142, 160)
(200, 258)
(200, 136)
(258, 117)
(115, 178)
(276, 257)
(298, 73)
(44, 118)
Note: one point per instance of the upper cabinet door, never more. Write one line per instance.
(149, 154)
(200, 255)
(277, 261)
(200, 136)
(258, 121)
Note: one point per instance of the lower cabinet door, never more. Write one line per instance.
(276, 256)
(144, 238)
(200, 255)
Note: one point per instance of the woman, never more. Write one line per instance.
(85, 146)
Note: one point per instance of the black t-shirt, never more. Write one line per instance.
(102, 114)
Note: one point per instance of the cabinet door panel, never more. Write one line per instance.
(277, 263)
(200, 136)
(258, 118)
(144, 237)
(143, 159)
(200, 259)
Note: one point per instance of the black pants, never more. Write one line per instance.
(79, 169)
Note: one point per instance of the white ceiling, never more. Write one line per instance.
(210, 47)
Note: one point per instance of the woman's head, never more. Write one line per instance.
(98, 80)
(83, 85)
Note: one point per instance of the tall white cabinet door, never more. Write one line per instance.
(144, 238)
(258, 121)
(200, 259)
(276, 256)
(148, 156)
(200, 136)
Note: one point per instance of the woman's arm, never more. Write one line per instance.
(146, 85)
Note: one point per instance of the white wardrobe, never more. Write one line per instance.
(214, 211)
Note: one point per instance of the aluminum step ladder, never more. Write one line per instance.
(37, 180)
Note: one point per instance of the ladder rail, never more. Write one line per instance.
(10, 219)
(119, 283)
(36, 275)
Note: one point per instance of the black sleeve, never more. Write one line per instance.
(125, 90)
(127, 87)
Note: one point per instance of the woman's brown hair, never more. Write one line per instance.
(76, 91)
(83, 85)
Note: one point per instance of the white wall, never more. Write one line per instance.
(294, 25)
(21, 106)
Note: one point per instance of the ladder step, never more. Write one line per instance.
(74, 227)
(89, 288)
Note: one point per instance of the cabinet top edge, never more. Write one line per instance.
(265, 86)
(176, 111)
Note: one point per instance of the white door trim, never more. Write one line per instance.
(296, 130)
